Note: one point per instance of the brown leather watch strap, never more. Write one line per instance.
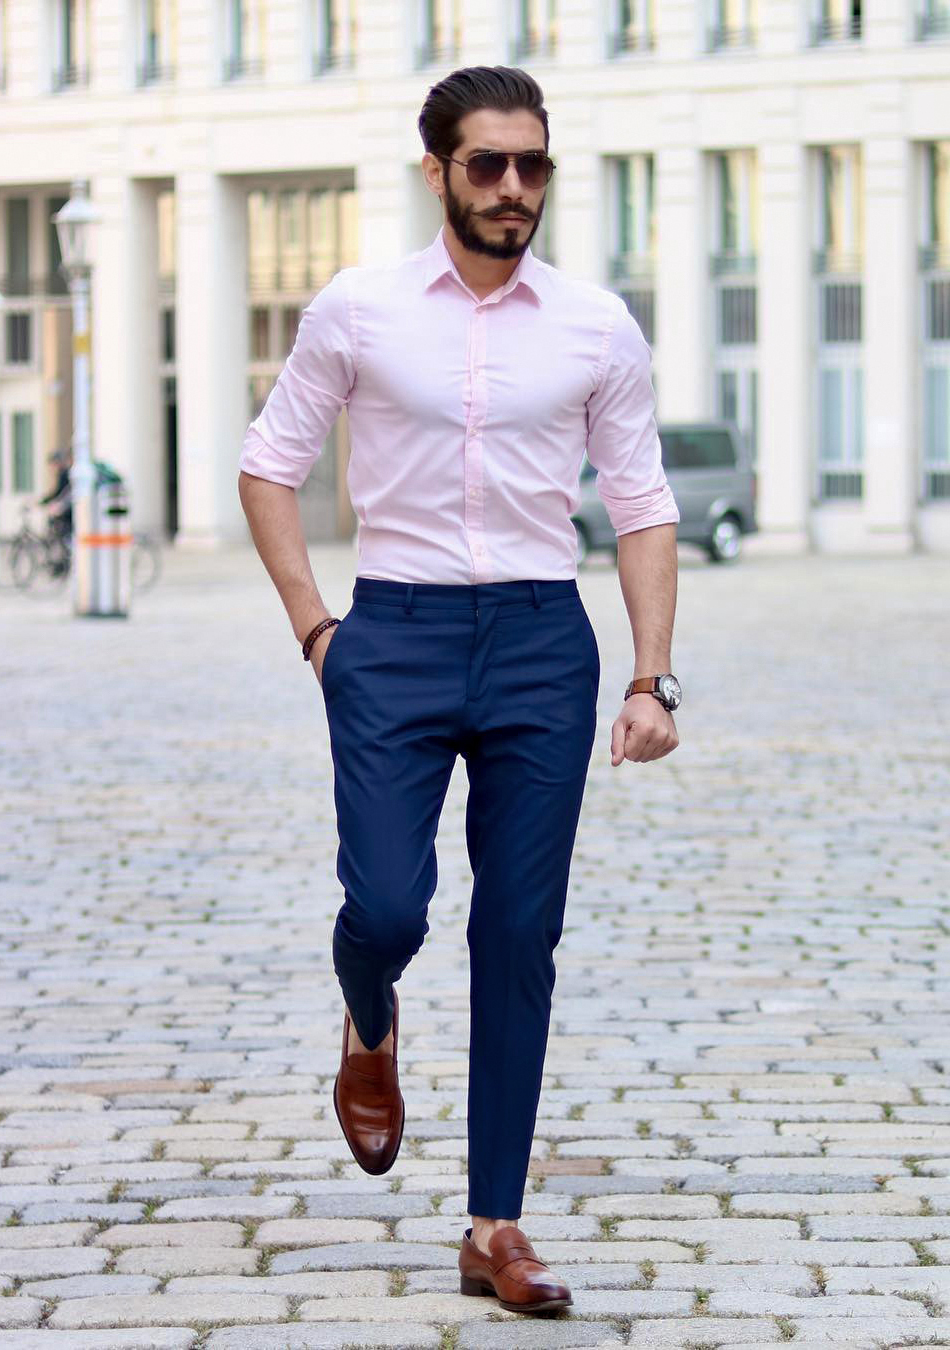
(645, 685)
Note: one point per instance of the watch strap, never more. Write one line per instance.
(646, 684)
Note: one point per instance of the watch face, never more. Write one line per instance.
(671, 691)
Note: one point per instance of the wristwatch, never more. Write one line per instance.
(664, 688)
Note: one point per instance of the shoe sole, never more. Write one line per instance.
(372, 1171)
(479, 1290)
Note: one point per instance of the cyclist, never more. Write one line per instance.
(60, 516)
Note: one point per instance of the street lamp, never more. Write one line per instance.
(74, 225)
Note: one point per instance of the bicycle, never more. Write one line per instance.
(47, 558)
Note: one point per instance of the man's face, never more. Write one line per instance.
(500, 220)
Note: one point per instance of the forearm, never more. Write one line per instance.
(647, 568)
(274, 519)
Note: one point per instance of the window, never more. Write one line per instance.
(157, 41)
(935, 280)
(631, 28)
(23, 476)
(732, 24)
(733, 269)
(707, 449)
(244, 38)
(836, 21)
(933, 20)
(333, 27)
(17, 319)
(839, 306)
(437, 38)
(535, 29)
(633, 235)
(70, 44)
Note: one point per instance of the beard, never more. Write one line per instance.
(463, 221)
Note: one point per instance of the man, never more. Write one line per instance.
(475, 376)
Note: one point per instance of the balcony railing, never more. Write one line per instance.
(724, 37)
(329, 60)
(630, 40)
(242, 67)
(534, 46)
(826, 261)
(726, 263)
(823, 31)
(153, 72)
(932, 23)
(934, 257)
(631, 265)
(434, 54)
(70, 77)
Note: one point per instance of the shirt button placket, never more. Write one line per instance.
(474, 468)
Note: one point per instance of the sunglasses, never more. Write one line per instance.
(487, 167)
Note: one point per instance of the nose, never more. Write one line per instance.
(510, 185)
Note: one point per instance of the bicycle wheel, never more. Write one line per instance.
(24, 562)
(146, 562)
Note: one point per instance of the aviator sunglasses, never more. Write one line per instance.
(487, 167)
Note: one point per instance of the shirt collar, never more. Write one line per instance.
(529, 271)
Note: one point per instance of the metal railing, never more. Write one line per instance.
(823, 31)
(533, 46)
(630, 40)
(726, 37)
(726, 263)
(153, 72)
(240, 67)
(434, 54)
(70, 77)
(327, 60)
(932, 23)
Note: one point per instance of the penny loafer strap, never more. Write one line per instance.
(516, 1252)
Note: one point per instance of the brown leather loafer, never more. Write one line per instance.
(368, 1103)
(512, 1272)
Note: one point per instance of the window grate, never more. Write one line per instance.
(840, 486)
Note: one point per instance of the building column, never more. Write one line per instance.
(785, 459)
(127, 429)
(682, 289)
(890, 337)
(212, 353)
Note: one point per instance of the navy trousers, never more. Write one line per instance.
(505, 674)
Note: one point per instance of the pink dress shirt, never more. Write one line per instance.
(469, 418)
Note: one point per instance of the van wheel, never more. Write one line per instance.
(583, 542)
(726, 540)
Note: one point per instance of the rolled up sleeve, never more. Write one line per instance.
(287, 437)
(623, 444)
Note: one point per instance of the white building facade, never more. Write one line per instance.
(766, 182)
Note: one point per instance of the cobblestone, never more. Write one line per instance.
(744, 1130)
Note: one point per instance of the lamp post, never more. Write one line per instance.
(74, 224)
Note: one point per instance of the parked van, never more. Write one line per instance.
(711, 478)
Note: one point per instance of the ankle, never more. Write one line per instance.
(483, 1229)
(356, 1047)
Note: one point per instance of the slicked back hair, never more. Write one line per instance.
(503, 88)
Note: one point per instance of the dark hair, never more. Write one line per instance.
(504, 88)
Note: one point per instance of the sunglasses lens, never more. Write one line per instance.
(533, 170)
(486, 169)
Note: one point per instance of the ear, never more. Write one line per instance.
(432, 171)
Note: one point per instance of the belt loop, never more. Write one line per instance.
(537, 594)
(407, 606)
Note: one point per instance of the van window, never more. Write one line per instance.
(703, 448)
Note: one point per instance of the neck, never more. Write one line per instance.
(481, 273)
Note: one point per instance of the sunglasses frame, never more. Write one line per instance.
(509, 156)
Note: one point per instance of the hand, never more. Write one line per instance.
(319, 650)
(644, 730)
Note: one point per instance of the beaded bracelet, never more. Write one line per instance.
(312, 636)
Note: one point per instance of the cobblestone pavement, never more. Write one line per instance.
(744, 1135)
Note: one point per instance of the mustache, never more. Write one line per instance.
(508, 211)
